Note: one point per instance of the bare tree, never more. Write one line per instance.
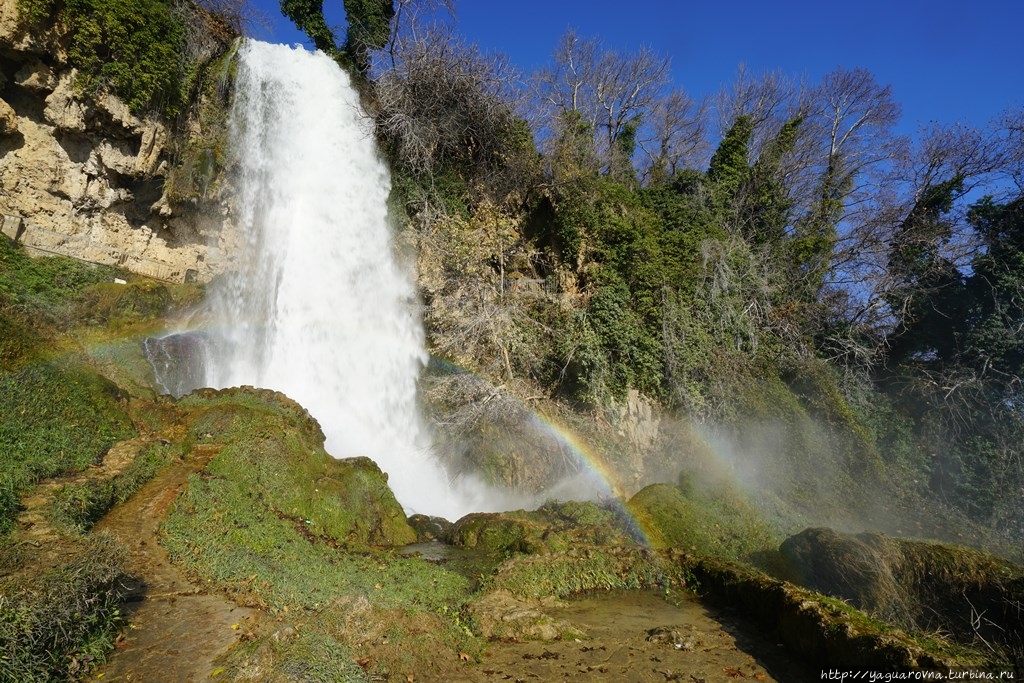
(1013, 124)
(677, 136)
(623, 99)
(768, 100)
(963, 161)
(446, 105)
(413, 21)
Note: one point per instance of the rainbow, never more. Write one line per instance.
(603, 481)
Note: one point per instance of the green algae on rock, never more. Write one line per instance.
(270, 450)
(718, 522)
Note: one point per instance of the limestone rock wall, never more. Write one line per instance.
(84, 177)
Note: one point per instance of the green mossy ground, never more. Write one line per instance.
(66, 329)
(271, 451)
(276, 523)
(715, 521)
(57, 414)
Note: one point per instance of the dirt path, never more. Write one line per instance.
(641, 638)
(177, 629)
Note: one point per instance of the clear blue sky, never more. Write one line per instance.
(946, 60)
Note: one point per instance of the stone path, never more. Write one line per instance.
(177, 629)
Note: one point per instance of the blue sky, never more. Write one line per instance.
(947, 61)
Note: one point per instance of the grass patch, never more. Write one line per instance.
(55, 626)
(251, 551)
(584, 570)
(48, 284)
(316, 657)
(118, 305)
(54, 418)
(80, 506)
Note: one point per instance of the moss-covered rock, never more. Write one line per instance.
(554, 527)
(820, 630)
(429, 528)
(716, 522)
(913, 584)
(271, 451)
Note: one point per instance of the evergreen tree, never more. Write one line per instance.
(369, 28)
(308, 17)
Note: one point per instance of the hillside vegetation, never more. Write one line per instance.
(840, 305)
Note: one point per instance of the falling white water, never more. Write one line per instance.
(319, 308)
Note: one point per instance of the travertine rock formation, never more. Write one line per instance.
(84, 177)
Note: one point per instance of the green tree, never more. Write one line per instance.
(730, 165)
(369, 28)
(308, 17)
(927, 291)
(994, 338)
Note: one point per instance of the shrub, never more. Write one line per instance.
(135, 46)
(55, 627)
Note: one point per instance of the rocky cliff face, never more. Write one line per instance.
(83, 176)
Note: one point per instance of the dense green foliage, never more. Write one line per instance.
(308, 16)
(369, 28)
(800, 273)
(135, 46)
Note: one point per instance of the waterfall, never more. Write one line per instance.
(317, 305)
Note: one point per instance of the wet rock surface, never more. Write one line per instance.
(638, 636)
(176, 629)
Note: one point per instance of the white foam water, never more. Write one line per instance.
(318, 306)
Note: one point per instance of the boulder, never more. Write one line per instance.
(554, 527)
(35, 75)
(8, 119)
(912, 584)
